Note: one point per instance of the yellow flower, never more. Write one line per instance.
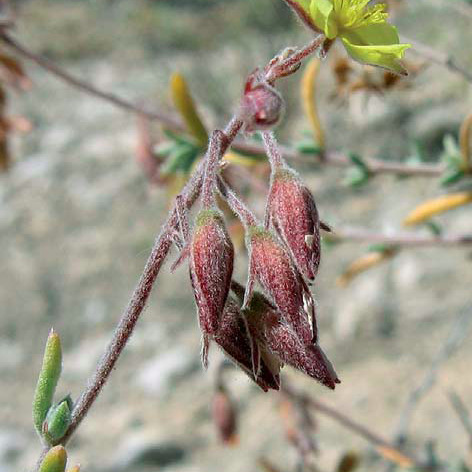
(362, 28)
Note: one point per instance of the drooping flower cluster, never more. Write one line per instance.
(260, 331)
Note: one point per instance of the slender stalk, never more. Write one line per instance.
(236, 204)
(272, 150)
(212, 158)
(290, 64)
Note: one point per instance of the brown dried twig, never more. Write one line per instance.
(404, 240)
(383, 446)
(451, 344)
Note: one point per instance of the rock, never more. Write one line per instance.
(138, 451)
(11, 445)
(157, 375)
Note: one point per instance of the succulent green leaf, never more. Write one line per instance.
(47, 381)
(55, 460)
(57, 421)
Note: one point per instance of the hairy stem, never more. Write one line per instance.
(272, 150)
(213, 158)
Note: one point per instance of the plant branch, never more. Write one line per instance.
(141, 294)
(402, 239)
(386, 448)
(451, 344)
(334, 158)
(85, 86)
(440, 58)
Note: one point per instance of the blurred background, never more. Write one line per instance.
(78, 218)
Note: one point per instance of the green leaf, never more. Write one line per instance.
(434, 227)
(307, 147)
(55, 460)
(181, 159)
(47, 381)
(359, 174)
(451, 176)
(57, 421)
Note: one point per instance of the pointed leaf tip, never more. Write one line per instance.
(55, 460)
(47, 381)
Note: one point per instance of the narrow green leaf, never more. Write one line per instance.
(47, 381)
(55, 460)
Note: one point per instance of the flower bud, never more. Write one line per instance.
(272, 266)
(211, 267)
(233, 337)
(294, 216)
(224, 416)
(261, 106)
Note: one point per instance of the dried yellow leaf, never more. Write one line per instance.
(308, 88)
(364, 263)
(466, 144)
(184, 103)
(437, 206)
(395, 456)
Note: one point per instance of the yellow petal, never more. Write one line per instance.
(386, 56)
(322, 13)
(437, 206)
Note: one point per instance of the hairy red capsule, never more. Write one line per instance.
(261, 106)
(272, 266)
(233, 337)
(211, 268)
(273, 334)
(293, 214)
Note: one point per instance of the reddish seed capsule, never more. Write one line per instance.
(211, 267)
(272, 266)
(261, 106)
(234, 339)
(294, 216)
(224, 417)
(307, 358)
(273, 334)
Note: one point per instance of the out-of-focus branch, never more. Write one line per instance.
(403, 240)
(462, 413)
(451, 344)
(84, 86)
(385, 448)
(440, 58)
(332, 158)
(338, 159)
